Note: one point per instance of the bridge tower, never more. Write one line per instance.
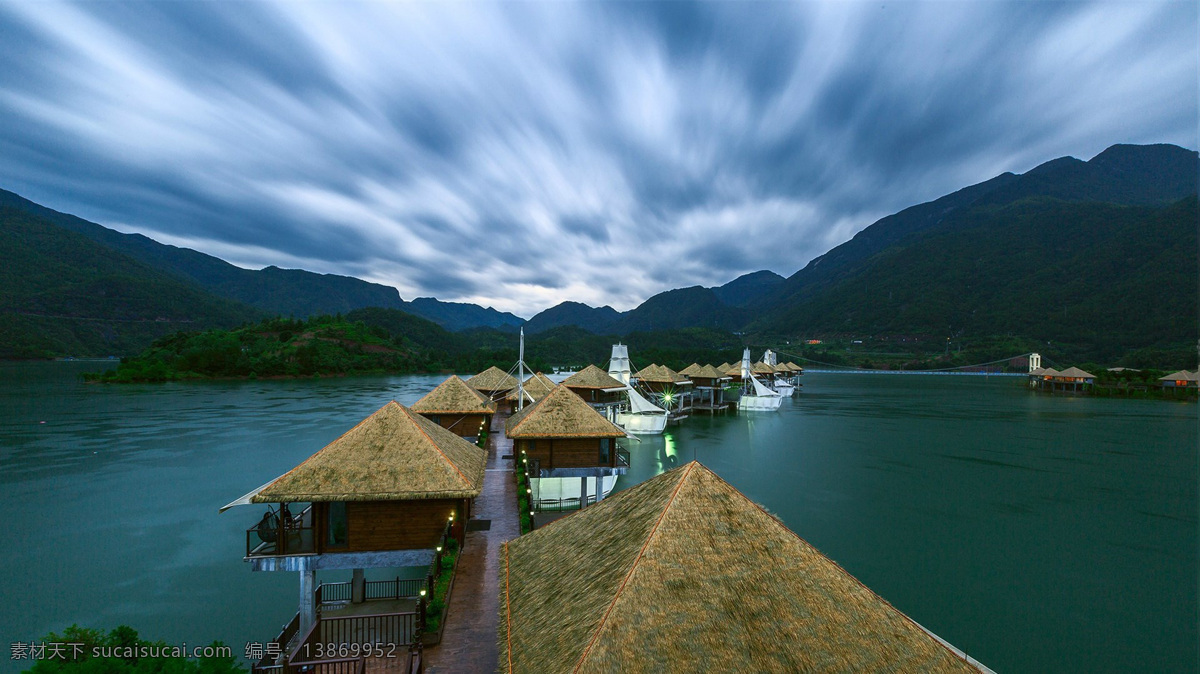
(1035, 361)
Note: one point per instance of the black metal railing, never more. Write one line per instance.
(337, 666)
(555, 505)
(345, 633)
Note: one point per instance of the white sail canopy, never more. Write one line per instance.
(639, 405)
(618, 364)
(760, 390)
(746, 365)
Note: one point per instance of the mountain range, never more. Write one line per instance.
(1100, 255)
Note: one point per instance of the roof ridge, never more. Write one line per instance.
(433, 442)
(508, 605)
(654, 530)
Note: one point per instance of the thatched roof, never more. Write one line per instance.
(537, 386)
(782, 368)
(395, 454)
(683, 573)
(1182, 375)
(1075, 372)
(660, 374)
(593, 377)
(794, 367)
(710, 372)
(761, 368)
(453, 396)
(561, 414)
(724, 367)
(492, 379)
(690, 370)
(1037, 372)
(1050, 372)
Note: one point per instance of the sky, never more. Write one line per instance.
(520, 154)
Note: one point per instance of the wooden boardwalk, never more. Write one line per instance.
(469, 639)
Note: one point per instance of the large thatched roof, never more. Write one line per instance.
(660, 374)
(561, 414)
(394, 454)
(762, 368)
(691, 370)
(683, 573)
(491, 380)
(794, 367)
(724, 367)
(709, 372)
(593, 377)
(537, 386)
(453, 396)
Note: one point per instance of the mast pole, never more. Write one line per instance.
(521, 373)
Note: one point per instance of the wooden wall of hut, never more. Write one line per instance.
(462, 425)
(598, 396)
(553, 453)
(392, 525)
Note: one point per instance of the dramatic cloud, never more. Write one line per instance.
(520, 154)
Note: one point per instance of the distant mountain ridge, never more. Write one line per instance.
(1099, 254)
(286, 292)
(695, 307)
(62, 293)
(1121, 174)
(458, 316)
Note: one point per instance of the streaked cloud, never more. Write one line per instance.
(520, 154)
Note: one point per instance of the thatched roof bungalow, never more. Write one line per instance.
(492, 382)
(683, 573)
(562, 436)
(457, 407)
(536, 387)
(595, 386)
(660, 378)
(383, 495)
(389, 483)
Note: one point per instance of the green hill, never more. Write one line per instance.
(63, 294)
(1094, 280)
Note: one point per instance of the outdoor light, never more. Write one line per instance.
(528, 490)
(422, 593)
(439, 548)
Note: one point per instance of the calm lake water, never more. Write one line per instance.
(1038, 534)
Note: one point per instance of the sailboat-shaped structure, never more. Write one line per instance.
(643, 417)
(757, 397)
(779, 383)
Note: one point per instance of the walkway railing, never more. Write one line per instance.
(398, 588)
(356, 635)
(338, 666)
